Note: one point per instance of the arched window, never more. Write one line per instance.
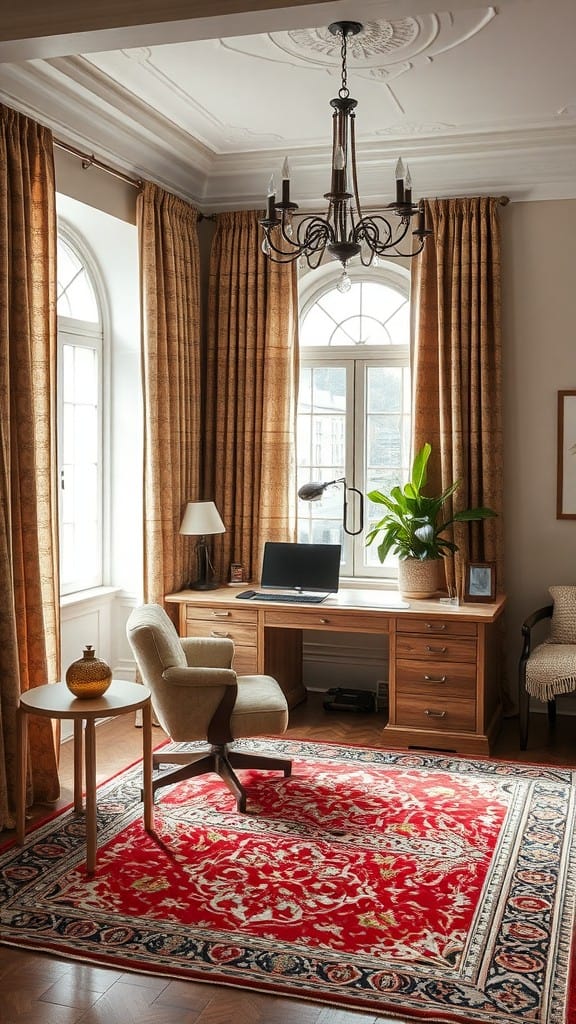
(79, 420)
(354, 408)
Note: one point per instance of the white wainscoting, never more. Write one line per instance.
(96, 617)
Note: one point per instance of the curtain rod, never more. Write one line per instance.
(89, 160)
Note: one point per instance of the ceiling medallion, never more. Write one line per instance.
(344, 232)
(378, 39)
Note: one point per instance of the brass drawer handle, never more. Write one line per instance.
(221, 615)
(225, 636)
(435, 679)
(435, 714)
(436, 650)
(438, 626)
(325, 622)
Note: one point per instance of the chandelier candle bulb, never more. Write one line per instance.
(271, 196)
(285, 181)
(399, 181)
(407, 186)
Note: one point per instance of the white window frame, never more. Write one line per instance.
(82, 333)
(356, 359)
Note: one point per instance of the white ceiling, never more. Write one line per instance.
(477, 99)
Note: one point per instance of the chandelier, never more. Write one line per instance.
(344, 232)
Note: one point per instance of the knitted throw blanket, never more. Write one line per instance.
(551, 670)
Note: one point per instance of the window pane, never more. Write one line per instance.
(360, 330)
(384, 389)
(353, 412)
(80, 504)
(315, 327)
(398, 326)
(76, 296)
(380, 301)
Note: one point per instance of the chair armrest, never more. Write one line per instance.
(528, 625)
(199, 677)
(208, 652)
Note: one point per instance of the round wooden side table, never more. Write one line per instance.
(56, 701)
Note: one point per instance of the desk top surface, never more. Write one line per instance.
(389, 602)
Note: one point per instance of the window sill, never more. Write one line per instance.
(367, 583)
(99, 594)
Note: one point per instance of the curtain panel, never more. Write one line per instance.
(251, 392)
(29, 583)
(457, 361)
(170, 290)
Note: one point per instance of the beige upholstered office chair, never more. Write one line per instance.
(548, 669)
(196, 695)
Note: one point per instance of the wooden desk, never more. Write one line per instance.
(56, 701)
(443, 660)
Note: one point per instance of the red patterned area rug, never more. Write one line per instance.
(415, 886)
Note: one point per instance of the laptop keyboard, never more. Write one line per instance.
(291, 598)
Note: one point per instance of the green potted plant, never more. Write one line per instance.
(413, 528)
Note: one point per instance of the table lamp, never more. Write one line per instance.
(201, 519)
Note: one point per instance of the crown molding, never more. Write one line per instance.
(90, 111)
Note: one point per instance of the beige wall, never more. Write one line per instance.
(94, 187)
(539, 327)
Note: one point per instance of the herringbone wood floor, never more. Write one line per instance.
(39, 989)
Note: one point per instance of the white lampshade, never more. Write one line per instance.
(201, 518)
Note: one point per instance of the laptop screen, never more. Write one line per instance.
(301, 567)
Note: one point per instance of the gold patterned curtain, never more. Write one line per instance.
(170, 278)
(29, 585)
(251, 389)
(457, 378)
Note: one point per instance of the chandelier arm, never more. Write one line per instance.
(354, 168)
(414, 252)
(286, 255)
(314, 233)
(395, 237)
(277, 256)
(367, 230)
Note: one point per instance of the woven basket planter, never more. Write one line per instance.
(418, 579)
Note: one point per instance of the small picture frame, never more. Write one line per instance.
(480, 581)
(566, 456)
(236, 573)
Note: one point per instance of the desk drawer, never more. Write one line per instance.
(444, 682)
(245, 661)
(218, 614)
(432, 649)
(415, 712)
(318, 618)
(240, 632)
(436, 627)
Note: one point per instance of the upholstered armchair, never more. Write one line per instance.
(196, 695)
(547, 668)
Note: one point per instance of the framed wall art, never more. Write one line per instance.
(566, 476)
(480, 581)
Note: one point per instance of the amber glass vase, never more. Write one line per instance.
(89, 676)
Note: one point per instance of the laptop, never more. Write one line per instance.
(300, 572)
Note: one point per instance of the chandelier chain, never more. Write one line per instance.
(344, 91)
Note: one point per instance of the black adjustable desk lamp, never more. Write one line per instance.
(314, 490)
